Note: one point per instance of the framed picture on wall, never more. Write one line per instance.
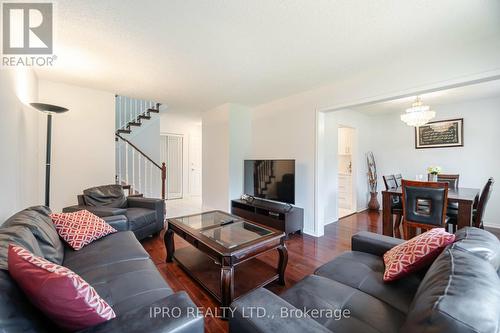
(440, 134)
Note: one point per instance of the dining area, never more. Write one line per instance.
(412, 206)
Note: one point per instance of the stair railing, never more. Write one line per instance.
(138, 171)
(129, 110)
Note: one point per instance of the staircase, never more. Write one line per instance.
(264, 177)
(137, 172)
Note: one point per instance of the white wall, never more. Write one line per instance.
(287, 126)
(226, 143)
(20, 156)
(190, 128)
(83, 146)
(328, 198)
(479, 159)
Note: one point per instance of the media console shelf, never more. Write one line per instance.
(289, 219)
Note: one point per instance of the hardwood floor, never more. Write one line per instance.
(305, 255)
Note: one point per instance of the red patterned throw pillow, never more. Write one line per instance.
(80, 228)
(415, 253)
(64, 297)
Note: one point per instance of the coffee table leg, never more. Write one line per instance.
(169, 244)
(283, 252)
(227, 285)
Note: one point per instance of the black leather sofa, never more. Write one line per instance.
(143, 216)
(459, 293)
(117, 266)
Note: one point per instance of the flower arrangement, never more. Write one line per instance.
(434, 170)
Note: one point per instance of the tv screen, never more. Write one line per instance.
(270, 179)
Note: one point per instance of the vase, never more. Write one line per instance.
(373, 203)
(433, 177)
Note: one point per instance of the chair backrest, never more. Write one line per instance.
(390, 182)
(424, 203)
(105, 195)
(452, 180)
(483, 200)
(399, 178)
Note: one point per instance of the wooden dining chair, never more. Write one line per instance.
(396, 203)
(399, 178)
(479, 210)
(452, 180)
(424, 205)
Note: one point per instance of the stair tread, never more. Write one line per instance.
(124, 131)
(153, 110)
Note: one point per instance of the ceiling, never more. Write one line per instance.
(193, 55)
(490, 89)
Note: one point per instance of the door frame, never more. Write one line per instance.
(182, 136)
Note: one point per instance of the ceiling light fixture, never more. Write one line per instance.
(418, 114)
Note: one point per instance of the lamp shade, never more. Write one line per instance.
(49, 108)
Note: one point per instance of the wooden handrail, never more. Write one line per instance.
(163, 167)
(139, 151)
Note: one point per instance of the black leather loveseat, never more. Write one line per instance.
(143, 216)
(459, 293)
(117, 266)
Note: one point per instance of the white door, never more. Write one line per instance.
(195, 165)
(171, 153)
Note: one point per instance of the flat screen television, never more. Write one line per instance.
(270, 179)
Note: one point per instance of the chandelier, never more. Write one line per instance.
(418, 114)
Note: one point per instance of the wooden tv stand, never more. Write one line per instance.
(289, 219)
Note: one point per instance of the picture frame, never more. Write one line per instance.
(440, 134)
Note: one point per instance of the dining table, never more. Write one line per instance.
(464, 197)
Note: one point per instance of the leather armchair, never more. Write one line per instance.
(143, 216)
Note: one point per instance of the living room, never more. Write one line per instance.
(129, 123)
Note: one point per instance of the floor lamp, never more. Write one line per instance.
(49, 110)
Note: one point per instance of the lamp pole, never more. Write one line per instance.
(50, 110)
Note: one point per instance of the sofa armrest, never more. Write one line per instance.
(261, 311)
(376, 244)
(156, 204)
(175, 313)
(100, 211)
(119, 222)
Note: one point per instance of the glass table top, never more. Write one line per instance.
(206, 220)
(226, 230)
(236, 233)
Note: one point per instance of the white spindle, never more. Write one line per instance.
(145, 168)
(150, 179)
(133, 169)
(126, 164)
(139, 172)
(119, 144)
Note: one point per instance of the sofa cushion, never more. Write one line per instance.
(416, 253)
(80, 228)
(460, 293)
(127, 285)
(367, 313)
(17, 314)
(140, 217)
(57, 291)
(106, 195)
(117, 247)
(364, 272)
(38, 221)
(480, 243)
(17, 235)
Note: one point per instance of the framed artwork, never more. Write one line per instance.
(440, 134)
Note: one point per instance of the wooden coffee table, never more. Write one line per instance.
(222, 257)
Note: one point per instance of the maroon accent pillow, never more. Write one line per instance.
(415, 253)
(62, 295)
(80, 228)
